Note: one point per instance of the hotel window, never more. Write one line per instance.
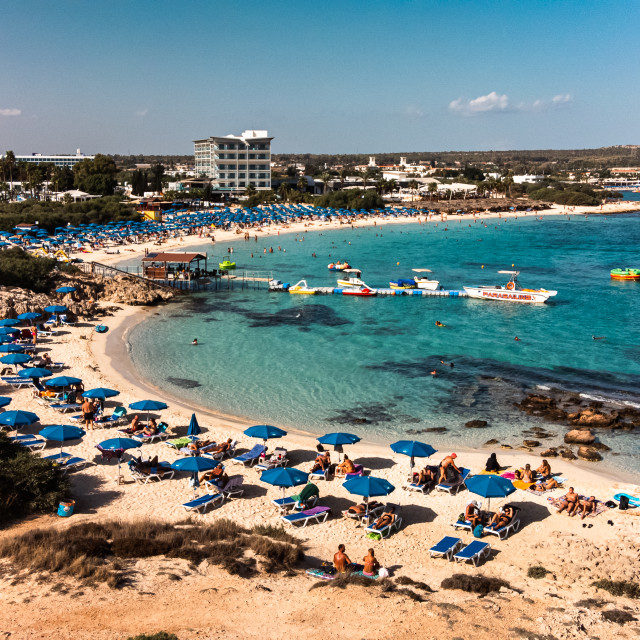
(261, 184)
(242, 175)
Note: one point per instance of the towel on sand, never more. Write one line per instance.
(599, 508)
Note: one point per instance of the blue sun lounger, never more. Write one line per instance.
(503, 532)
(454, 487)
(319, 514)
(446, 548)
(32, 443)
(249, 458)
(473, 552)
(203, 502)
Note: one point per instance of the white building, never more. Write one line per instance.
(235, 162)
(527, 178)
(58, 160)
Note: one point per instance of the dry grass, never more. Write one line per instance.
(620, 617)
(344, 580)
(92, 552)
(474, 584)
(619, 588)
(407, 581)
(537, 572)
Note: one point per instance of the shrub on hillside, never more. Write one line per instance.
(352, 199)
(28, 484)
(21, 269)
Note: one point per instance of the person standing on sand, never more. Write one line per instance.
(341, 560)
(87, 413)
(449, 472)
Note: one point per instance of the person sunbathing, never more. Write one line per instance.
(363, 507)
(569, 502)
(449, 472)
(425, 476)
(322, 462)
(341, 560)
(371, 564)
(544, 469)
(502, 518)
(151, 429)
(524, 475)
(385, 520)
(546, 485)
(135, 425)
(346, 466)
(472, 513)
(216, 476)
(587, 506)
(223, 447)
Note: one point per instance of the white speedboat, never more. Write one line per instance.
(511, 292)
(352, 279)
(423, 282)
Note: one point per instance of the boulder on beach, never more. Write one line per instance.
(531, 443)
(567, 454)
(476, 424)
(589, 453)
(579, 436)
(549, 453)
(493, 441)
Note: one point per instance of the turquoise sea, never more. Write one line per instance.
(318, 363)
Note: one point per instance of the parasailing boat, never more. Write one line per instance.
(511, 292)
(423, 282)
(352, 279)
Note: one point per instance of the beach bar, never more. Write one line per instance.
(174, 266)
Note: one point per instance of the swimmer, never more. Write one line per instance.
(517, 339)
(439, 324)
(598, 337)
(434, 373)
(446, 364)
(195, 341)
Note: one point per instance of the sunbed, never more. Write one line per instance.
(74, 464)
(454, 487)
(317, 514)
(219, 455)
(64, 407)
(58, 458)
(385, 532)
(446, 548)
(473, 552)
(320, 474)
(203, 502)
(161, 434)
(232, 489)
(284, 504)
(415, 486)
(277, 459)
(32, 443)
(374, 510)
(117, 416)
(179, 443)
(249, 458)
(503, 532)
(16, 382)
(463, 524)
(142, 477)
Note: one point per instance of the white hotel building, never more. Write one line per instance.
(58, 160)
(235, 162)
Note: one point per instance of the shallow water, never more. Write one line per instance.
(327, 363)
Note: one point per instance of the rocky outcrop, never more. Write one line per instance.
(594, 418)
(476, 424)
(549, 453)
(542, 406)
(531, 443)
(589, 453)
(567, 454)
(579, 436)
(133, 291)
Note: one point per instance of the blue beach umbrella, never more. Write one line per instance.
(15, 358)
(490, 486)
(284, 477)
(29, 315)
(9, 322)
(368, 486)
(8, 331)
(113, 444)
(11, 348)
(35, 372)
(55, 308)
(413, 449)
(194, 427)
(65, 289)
(338, 440)
(62, 381)
(18, 418)
(100, 393)
(264, 432)
(195, 465)
(148, 406)
(4, 401)
(62, 433)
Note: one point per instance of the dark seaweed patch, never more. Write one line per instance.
(373, 413)
(184, 383)
(303, 316)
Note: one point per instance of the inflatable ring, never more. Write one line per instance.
(511, 286)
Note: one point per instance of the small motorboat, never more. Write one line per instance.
(423, 282)
(352, 278)
(278, 285)
(402, 284)
(511, 292)
(338, 266)
(226, 265)
(302, 288)
(359, 291)
(625, 274)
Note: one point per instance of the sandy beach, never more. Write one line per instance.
(576, 555)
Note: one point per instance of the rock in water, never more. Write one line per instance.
(476, 424)
(579, 436)
(589, 453)
(531, 443)
(549, 453)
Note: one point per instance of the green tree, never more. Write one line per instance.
(96, 176)
(157, 174)
(302, 184)
(10, 160)
(413, 186)
(283, 191)
(343, 173)
(250, 190)
(138, 182)
(325, 177)
(432, 188)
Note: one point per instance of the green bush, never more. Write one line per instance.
(619, 587)
(537, 572)
(28, 484)
(351, 199)
(161, 635)
(21, 269)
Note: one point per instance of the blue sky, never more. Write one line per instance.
(150, 76)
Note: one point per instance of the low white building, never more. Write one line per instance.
(527, 178)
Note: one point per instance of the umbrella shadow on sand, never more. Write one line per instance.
(416, 514)
(254, 491)
(530, 512)
(91, 493)
(373, 463)
(338, 505)
(300, 456)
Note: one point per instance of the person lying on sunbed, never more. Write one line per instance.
(346, 466)
(449, 472)
(546, 485)
(587, 506)
(525, 475)
(502, 518)
(216, 476)
(362, 508)
(472, 513)
(198, 445)
(386, 519)
(371, 564)
(322, 462)
(544, 469)
(151, 429)
(341, 560)
(148, 466)
(222, 447)
(569, 502)
(135, 425)
(424, 476)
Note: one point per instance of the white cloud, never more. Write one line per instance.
(414, 112)
(482, 104)
(142, 112)
(10, 112)
(496, 103)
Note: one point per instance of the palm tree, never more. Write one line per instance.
(432, 188)
(283, 191)
(343, 173)
(366, 176)
(10, 159)
(250, 190)
(413, 186)
(302, 184)
(325, 177)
